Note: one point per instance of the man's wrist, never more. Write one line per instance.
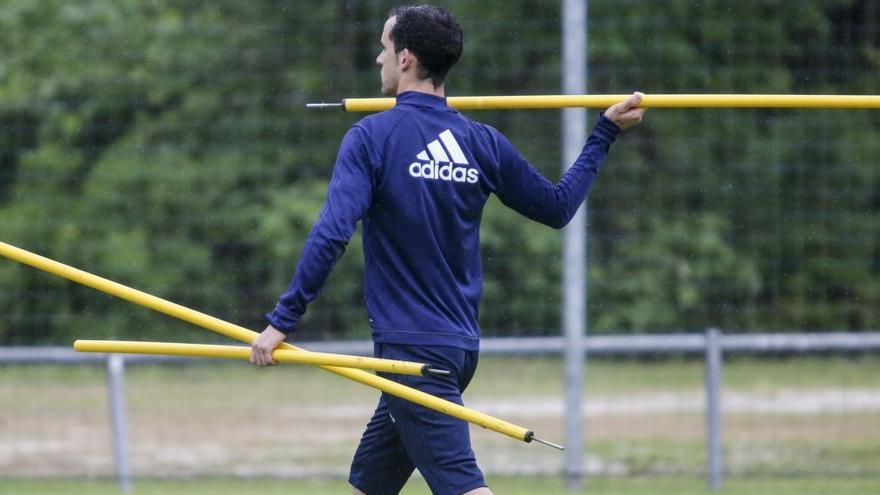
(282, 320)
(606, 128)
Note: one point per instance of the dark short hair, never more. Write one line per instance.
(432, 34)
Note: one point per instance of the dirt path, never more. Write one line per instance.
(650, 430)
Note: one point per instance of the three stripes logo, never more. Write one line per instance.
(443, 159)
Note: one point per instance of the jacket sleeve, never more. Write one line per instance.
(348, 198)
(525, 190)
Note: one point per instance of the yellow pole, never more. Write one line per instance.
(603, 101)
(244, 335)
(239, 352)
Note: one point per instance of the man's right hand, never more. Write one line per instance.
(626, 113)
(264, 344)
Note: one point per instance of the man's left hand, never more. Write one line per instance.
(626, 113)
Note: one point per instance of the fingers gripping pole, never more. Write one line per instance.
(239, 352)
(527, 102)
(244, 335)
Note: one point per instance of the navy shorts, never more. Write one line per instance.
(403, 436)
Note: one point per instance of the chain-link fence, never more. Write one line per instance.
(166, 144)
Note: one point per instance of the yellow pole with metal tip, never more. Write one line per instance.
(244, 335)
(523, 102)
(239, 352)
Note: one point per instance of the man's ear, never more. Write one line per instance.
(405, 59)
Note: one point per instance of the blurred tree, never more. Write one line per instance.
(772, 213)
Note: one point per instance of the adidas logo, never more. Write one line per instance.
(444, 161)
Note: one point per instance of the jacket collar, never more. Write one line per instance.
(420, 99)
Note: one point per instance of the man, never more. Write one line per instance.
(417, 176)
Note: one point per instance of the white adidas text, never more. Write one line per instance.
(446, 161)
(447, 172)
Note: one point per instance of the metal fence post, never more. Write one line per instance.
(713, 409)
(116, 392)
(574, 312)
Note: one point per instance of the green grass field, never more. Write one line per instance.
(791, 425)
(500, 485)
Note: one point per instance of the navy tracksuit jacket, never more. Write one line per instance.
(417, 176)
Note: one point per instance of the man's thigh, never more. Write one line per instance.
(380, 465)
(437, 444)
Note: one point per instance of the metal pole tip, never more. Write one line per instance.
(430, 370)
(549, 444)
(323, 105)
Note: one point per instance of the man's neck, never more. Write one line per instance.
(421, 86)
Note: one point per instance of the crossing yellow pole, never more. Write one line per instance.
(244, 335)
(239, 352)
(602, 101)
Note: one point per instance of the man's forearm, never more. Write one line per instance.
(317, 260)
